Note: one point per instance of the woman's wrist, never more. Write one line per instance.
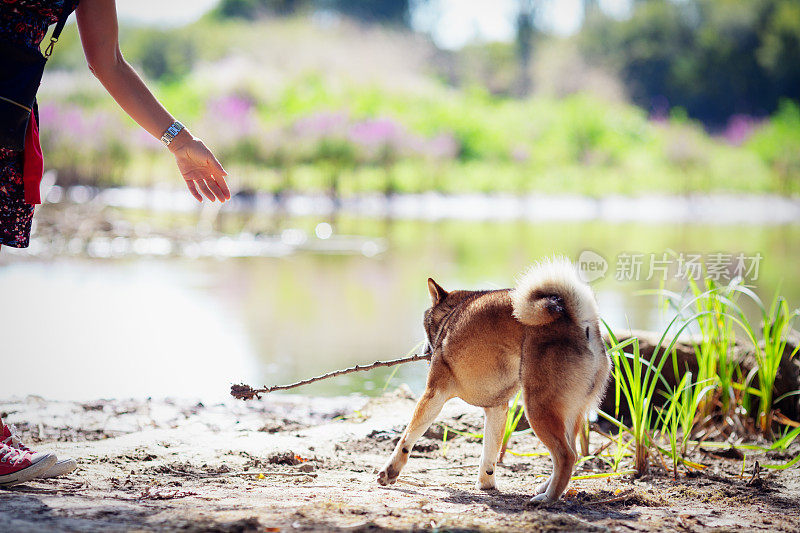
(180, 140)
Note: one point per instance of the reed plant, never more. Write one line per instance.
(679, 416)
(777, 322)
(713, 305)
(620, 450)
(719, 311)
(635, 379)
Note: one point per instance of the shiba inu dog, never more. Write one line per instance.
(542, 336)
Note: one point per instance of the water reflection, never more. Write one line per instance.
(82, 328)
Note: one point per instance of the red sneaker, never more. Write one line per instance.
(9, 437)
(18, 466)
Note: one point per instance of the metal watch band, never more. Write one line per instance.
(171, 132)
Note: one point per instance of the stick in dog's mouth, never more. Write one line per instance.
(243, 391)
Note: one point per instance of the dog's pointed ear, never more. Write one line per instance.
(437, 293)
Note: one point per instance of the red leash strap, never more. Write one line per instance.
(34, 163)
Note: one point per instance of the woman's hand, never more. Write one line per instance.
(199, 168)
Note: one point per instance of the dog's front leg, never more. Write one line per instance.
(494, 425)
(428, 407)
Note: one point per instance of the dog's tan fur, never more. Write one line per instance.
(543, 336)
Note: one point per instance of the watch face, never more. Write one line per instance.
(171, 132)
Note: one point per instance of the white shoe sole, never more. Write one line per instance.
(61, 468)
(35, 470)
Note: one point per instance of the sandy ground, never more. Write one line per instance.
(292, 463)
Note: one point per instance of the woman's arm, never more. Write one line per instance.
(97, 22)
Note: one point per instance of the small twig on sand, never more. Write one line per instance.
(411, 482)
(450, 467)
(755, 477)
(155, 493)
(288, 474)
(624, 496)
(601, 449)
(246, 392)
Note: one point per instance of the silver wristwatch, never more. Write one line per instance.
(171, 132)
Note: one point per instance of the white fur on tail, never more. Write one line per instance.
(559, 277)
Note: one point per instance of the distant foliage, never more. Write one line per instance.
(310, 136)
(161, 55)
(381, 11)
(87, 147)
(715, 58)
(778, 143)
(250, 9)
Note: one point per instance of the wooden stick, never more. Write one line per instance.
(205, 475)
(246, 392)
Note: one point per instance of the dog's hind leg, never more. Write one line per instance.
(551, 429)
(428, 407)
(571, 436)
(493, 426)
(542, 487)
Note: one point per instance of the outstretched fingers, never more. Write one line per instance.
(193, 189)
(216, 189)
(201, 184)
(218, 175)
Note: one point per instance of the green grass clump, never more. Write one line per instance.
(777, 323)
(678, 418)
(636, 381)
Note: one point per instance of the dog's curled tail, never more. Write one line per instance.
(551, 289)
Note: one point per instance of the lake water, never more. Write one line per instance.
(72, 327)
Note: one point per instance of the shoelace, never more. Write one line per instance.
(11, 455)
(13, 439)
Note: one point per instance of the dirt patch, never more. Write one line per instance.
(183, 466)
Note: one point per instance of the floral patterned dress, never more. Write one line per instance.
(23, 22)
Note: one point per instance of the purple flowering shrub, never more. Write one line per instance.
(87, 146)
(96, 146)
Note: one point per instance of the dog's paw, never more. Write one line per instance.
(542, 488)
(387, 476)
(486, 484)
(540, 499)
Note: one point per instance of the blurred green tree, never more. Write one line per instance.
(370, 11)
(162, 55)
(394, 12)
(525, 16)
(249, 9)
(715, 58)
